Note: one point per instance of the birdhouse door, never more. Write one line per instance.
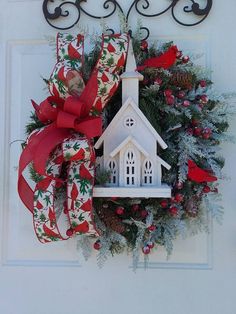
(131, 166)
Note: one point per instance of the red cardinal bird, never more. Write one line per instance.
(74, 192)
(84, 173)
(82, 228)
(199, 175)
(165, 61)
(73, 53)
(44, 184)
(49, 232)
(87, 206)
(79, 155)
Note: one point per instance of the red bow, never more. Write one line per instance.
(64, 116)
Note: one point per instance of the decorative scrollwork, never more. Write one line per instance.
(54, 10)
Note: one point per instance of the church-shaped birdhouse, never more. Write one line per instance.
(130, 146)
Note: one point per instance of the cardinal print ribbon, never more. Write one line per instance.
(62, 151)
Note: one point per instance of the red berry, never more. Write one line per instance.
(150, 245)
(164, 203)
(206, 133)
(172, 200)
(135, 207)
(97, 245)
(146, 250)
(186, 103)
(204, 99)
(179, 54)
(152, 228)
(197, 131)
(179, 197)
(203, 83)
(120, 210)
(69, 232)
(195, 122)
(114, 198)
(173, 210)
(206, 189)
(168, 92)
(144, 45)
(179, 185)
(181, 94)
(200, 107)
(158, 81)
(189, 131)
(144, 213)
(170, 100)
(185, 59)
(206, 136)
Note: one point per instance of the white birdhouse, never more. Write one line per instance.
(130, 146)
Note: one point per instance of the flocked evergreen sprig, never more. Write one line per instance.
(182, 106)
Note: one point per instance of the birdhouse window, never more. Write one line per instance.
(130, 162)
(112, 167)
(129, 122)
(147, 172)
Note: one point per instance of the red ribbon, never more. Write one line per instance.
(70, 115)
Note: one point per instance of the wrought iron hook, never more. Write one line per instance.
(111, 7)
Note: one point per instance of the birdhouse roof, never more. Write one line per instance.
(117, 118)
(163, 163)
(129, 139)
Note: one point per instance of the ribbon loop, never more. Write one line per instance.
(65, 120)
(74, 106)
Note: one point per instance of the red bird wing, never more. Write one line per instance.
(199, 175)
(166, 60)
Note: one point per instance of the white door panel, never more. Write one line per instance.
(54, 279)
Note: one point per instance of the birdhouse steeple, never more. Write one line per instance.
(130, 78)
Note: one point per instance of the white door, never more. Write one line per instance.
(199, 278)
(131, 163)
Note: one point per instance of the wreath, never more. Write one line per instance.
(177, 98)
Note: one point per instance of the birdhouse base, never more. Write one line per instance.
(163, 191)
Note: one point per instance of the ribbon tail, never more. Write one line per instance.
(26, 193)
(45, 205)
(48, 142)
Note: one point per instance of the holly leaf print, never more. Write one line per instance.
(76, 146)
(47, 200)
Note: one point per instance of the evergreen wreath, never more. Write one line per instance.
(181, 105)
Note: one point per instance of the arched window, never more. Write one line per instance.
(130, 162)
(112, 167)
(147, 172)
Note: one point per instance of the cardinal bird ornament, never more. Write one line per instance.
(165, 60)
(199, 175)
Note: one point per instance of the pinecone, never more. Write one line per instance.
(191, 206)
(111, 220)
(182, 79)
